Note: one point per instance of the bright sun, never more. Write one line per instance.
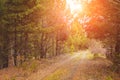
(75, 6)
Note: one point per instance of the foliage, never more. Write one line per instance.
(29, 29)
(101, 23)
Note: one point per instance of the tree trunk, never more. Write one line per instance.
(117, 50)
(15, 48)
(25, 46)
(5, 49)
(57, 43)
(42, 46)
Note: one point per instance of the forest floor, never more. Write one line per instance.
(77, 66)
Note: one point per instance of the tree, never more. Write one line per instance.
(104, 24)
(29, 28)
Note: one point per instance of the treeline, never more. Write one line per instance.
(35, 29)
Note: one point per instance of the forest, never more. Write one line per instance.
(33, 30)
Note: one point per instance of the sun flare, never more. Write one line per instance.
(75, 6)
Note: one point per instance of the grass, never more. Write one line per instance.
(109, 78)
(57, 74)
(89, 56)
(30, 66)
(12, 78)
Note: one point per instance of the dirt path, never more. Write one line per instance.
(77, 67)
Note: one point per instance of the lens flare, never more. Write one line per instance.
(75, 6)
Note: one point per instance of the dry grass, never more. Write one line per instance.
(28, 68)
